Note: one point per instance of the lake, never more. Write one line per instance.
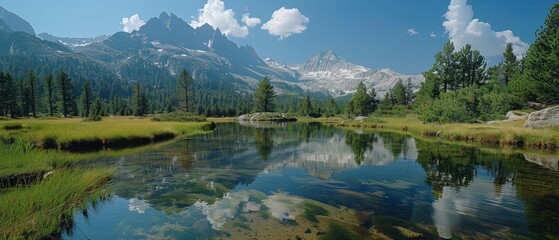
(310, 181)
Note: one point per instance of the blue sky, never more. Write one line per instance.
(374, 33)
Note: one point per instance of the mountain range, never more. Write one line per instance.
(168, 44)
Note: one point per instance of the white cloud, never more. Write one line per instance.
(412, 32)
(433, 35)
(215, 14)
(463, 29)
(250, 22)
(285, 22)
(132, 23)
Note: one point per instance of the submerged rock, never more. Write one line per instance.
(548, 117)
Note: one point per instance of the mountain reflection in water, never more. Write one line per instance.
(305, 179)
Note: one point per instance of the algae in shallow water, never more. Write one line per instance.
(337, 231)
(312, 210)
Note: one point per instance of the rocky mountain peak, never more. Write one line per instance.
(16, 23)
(326, 61)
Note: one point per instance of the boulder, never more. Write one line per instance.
(511, 117)
(360, 118)
(515, 116)
(267, 117)
(536, 105)
(548, 117)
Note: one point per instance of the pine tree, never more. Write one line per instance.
(350, 109)
(49, 93)
(362, 101)
(305, 107)
(85, 99)
(264, 96)
(510, 65)
(373, 100)
(24, 98)
(444, 68)
(470, 68)
(331, 107)
(96, 109)
(66, 95)
(399, 91)
(7, 95)
(409, 92)
(140, 103)
(184, 81)
(31, 85)
(540, 78)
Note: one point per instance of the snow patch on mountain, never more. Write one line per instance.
(327, 72)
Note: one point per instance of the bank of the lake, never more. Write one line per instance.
(511, 134)
(317, 181)
(75, 135)
(41, 187)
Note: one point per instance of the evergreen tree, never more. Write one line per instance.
(31, 85)
(331, 107)
(49, 93)
(305, 107)
(184, 81)
(350, 109)
(445, 65)
(409, 92)
(264, 96)
(389, 100)
(140, 103)
(510, 65)
(24, 98)
(7, 95)
(540, 77)
(362, 101)
(85, 99)
(96, 109)
(66, 95)
(470, 69)
(373, 100)
(399, 91)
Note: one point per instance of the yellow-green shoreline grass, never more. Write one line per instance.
(75, 135)
(45, 209)
(507, 134)
(32, 207)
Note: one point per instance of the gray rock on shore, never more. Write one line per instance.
(511, 117)
(548, 117)
(267, 116)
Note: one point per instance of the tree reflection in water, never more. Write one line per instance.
(474, 191)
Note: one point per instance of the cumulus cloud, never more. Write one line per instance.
(463, 28)
(433, 35)
(215, 14)
(285, 22)
(412, 32)
(132, 23)
(250, 22)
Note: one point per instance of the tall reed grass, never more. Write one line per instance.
(46, 209)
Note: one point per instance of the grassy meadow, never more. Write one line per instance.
(507, 134)
(40, 187)
(75, 135)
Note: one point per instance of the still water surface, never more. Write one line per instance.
(309, 181)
